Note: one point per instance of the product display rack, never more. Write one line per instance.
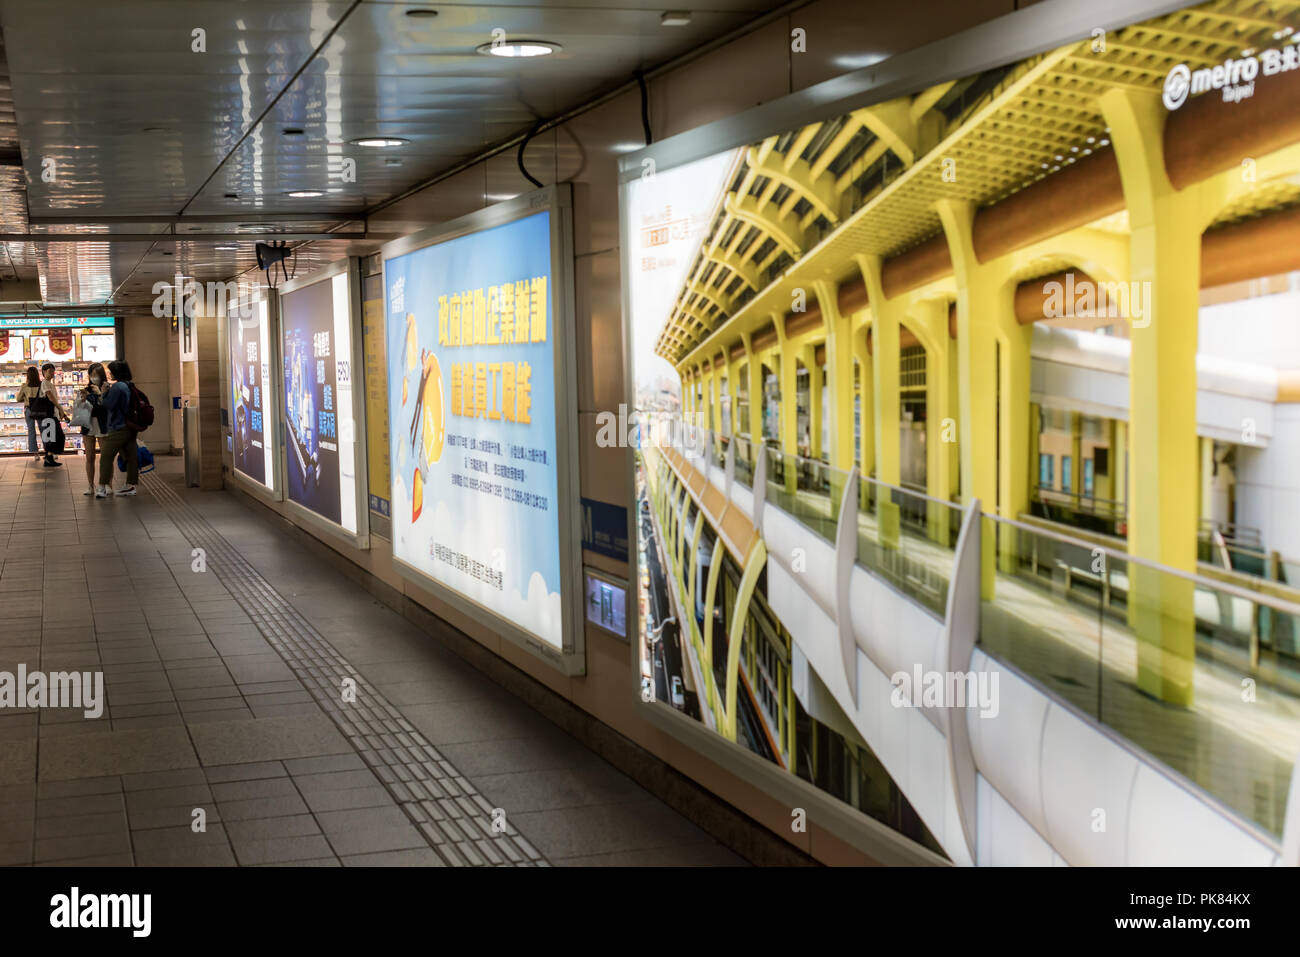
(13, 425)
(70, 376)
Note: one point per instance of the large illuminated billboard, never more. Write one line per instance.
(253, 443)
(323, 420)
(976, 366)
(480, 406)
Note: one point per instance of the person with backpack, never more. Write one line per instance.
(89, 413)
(30, 391)
(121, 429)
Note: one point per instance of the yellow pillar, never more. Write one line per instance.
(952, 431)
(866, 404)
(1035, 431)
(692, 566)
(754, 564)
(754, 371)
(984, 310)
(733, 393)
(931, 319)
(1164, 253)
(1076, 453)
(1207, 479)
(885, 359)
(815, 382)
(839, 374)
(715, 397)
(789, 426)
(710, 598)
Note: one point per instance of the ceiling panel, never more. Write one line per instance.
(125, 119)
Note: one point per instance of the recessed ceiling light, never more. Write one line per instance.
(292, 131)
(305, 193)
(421, 12)
(226, 246)
(675, 18)
(519, 48)
(379, 142)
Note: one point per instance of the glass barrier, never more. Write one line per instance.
(908, 539)
(808, 489)
(744, 472)
(1200, 674)
(719, 450)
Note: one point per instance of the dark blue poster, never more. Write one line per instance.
(310, 390)
(249, 377)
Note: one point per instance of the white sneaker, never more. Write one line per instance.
(101, 492)
(89, 491)
(128, 490)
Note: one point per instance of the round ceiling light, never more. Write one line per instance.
(305, 193)
(518, 48)
(379, 142)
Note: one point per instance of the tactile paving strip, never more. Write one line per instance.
(453, 816)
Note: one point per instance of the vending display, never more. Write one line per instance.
(71, 344)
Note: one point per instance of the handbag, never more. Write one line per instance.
(81, 414)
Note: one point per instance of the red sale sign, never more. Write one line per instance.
(60, 343)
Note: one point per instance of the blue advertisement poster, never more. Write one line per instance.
(472, 419)
(249, 376)
(310, 387)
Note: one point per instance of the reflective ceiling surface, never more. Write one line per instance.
(135, 115)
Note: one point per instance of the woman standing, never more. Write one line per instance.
(117, 437)
(92, 393)
(31, 389)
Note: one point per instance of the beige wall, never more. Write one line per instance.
(146, 348)
(751, 70)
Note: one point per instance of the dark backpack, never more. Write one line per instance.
(139, 413)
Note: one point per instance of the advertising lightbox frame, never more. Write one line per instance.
(556, 200)
(351, 266)
(1007, 39)
(274, 493)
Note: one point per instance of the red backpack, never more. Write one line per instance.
(139, 413)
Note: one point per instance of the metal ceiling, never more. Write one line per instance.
(125, 128)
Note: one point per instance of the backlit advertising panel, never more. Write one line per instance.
(932, 371)
(479, 404)
(249, 342)
(320, 411)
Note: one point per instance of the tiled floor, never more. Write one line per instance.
(266, 710)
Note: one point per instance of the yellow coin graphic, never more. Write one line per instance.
(412, 343)
(434, 433)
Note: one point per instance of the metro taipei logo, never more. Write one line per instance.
(1235, 77)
